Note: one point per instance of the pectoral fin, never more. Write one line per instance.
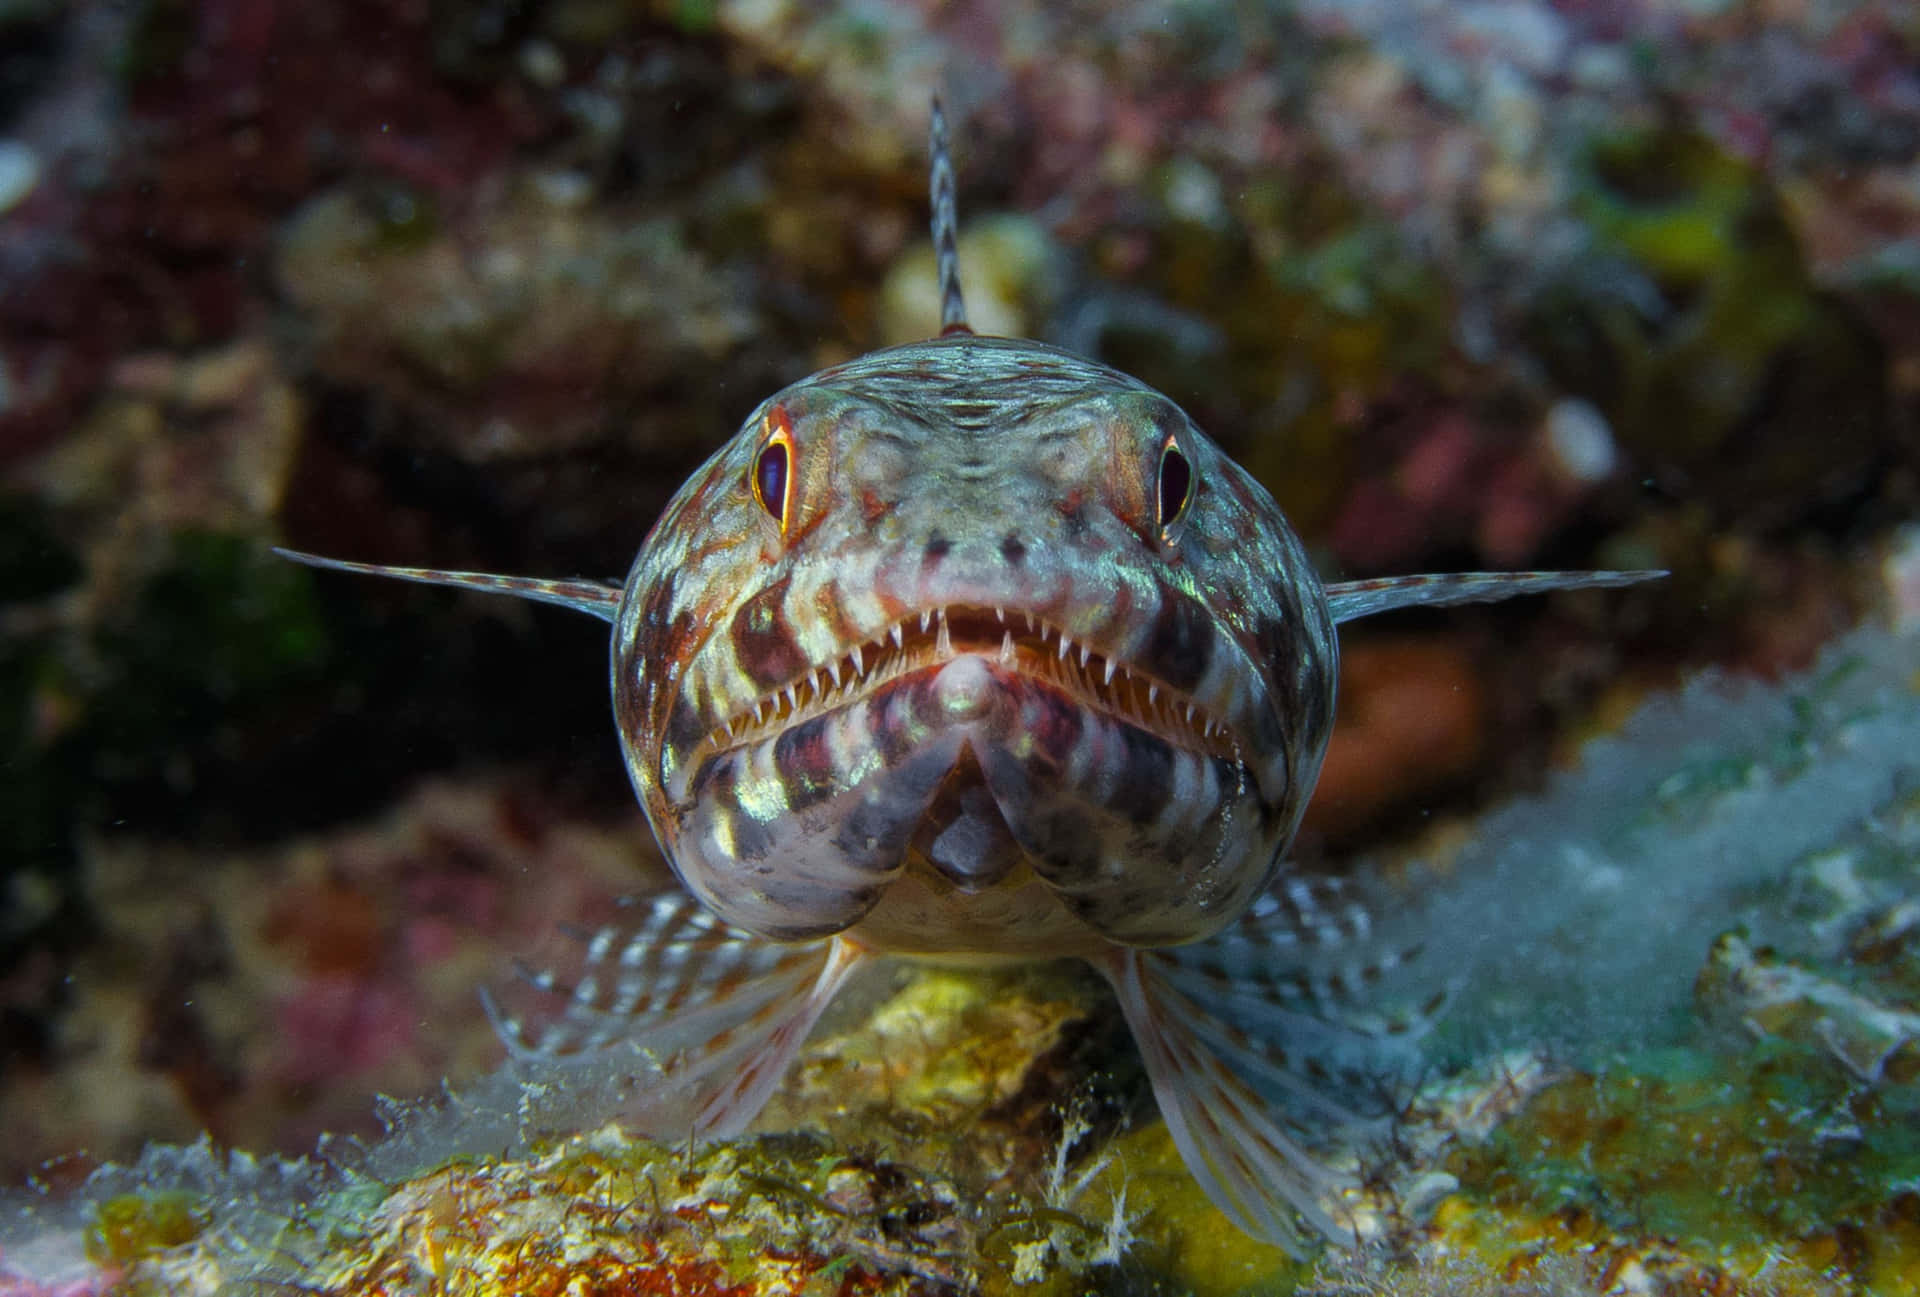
(595, 598)
(1351, 599)
(1265, 1181)
(719, 1013)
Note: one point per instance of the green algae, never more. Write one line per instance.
(100, 719)
(223, 620)
(1730, 1152)
(210, 646)
(1181, 1242)
(133, 1227)
(1671, 200)
(1692, 320)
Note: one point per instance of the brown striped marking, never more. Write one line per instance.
(763, 641)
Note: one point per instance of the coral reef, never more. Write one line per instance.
(474, 283)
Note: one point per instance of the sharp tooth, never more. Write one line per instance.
(927, 616)
(1189, 713)
(1006, 648)
(943, 645)
(859, 667)
(1153, 692)
(899, 640)
(1065, 644)
(1085, 653)
(999, 613)
(833, 669)
(1110, 666)
(787, 693)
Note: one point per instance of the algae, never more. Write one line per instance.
(134, 1227)
(1693, 321)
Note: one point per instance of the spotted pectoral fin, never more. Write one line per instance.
(1351, 599)
(595, 598)
(1266, 1180)
(1296, 1025)
(713, 1013)
(1309, 958)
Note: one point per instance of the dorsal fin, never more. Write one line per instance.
(595, 598)
(946, 222)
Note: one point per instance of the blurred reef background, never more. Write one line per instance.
(475, 283)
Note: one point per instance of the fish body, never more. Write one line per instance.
(977, 650)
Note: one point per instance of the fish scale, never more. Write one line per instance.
(976, 650)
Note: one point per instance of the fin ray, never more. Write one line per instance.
(773, 1047)
(1255, 1056)
(1264, 1180)
(665, 959)
(718, 1012)
(595, 598)
(1351, 599)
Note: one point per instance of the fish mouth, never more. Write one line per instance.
(1015, 640)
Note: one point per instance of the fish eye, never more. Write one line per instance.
(772, 470)
(1176, 484)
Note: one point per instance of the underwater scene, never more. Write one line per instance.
(970, 883)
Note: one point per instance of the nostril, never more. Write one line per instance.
(1012, 549)
(937, 547)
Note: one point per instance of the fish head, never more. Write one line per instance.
(983, 624)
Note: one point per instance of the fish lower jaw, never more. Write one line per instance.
(1015, 641)
(1018, 923)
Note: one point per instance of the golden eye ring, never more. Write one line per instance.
(772, 478)
(1175, 484)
